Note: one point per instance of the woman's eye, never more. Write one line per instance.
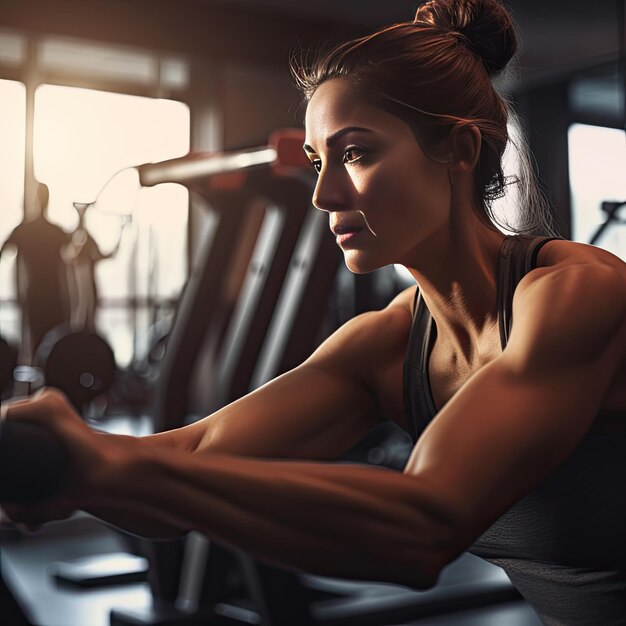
(351, 155)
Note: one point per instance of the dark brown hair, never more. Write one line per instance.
(437, 72)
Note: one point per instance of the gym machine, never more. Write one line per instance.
(74, 357)
(612, 218)
(232, 185)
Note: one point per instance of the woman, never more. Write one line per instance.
(516, 425)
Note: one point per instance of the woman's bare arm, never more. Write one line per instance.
(316, 411)
(319, 409)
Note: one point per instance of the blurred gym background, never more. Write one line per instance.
(90, 88)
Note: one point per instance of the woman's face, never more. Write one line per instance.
(371, 170)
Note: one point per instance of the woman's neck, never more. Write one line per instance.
(456, 270)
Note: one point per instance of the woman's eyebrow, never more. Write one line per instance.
(335, 137)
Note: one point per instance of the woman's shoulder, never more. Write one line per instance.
(575, 290)
(559, 253)
(576, 270)
(388, 326)
(404, 301)
(370, 341)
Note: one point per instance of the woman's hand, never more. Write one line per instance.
(88, 454)
(32, 516)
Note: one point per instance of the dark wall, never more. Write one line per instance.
(210, 30)
(546, 114)
(255, 102)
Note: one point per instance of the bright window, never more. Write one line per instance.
(597, 169)
(81, 138)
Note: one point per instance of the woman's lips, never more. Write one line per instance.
(346, 236)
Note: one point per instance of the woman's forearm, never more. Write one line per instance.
(130, 520)
(136, 523)
(330, 519)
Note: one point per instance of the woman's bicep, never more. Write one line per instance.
(497, 438)
(307, 413)
(317, 410)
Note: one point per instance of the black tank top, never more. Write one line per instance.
(563, 545)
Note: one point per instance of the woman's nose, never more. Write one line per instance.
(329, 194)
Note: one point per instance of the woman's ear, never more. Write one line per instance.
(464, 145)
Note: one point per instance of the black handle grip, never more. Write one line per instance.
(33, 463)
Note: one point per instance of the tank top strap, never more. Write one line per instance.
(518, 256)
(418, 404)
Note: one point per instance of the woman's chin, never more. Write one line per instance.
(358, 263)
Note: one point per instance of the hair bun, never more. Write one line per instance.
(486, 26)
